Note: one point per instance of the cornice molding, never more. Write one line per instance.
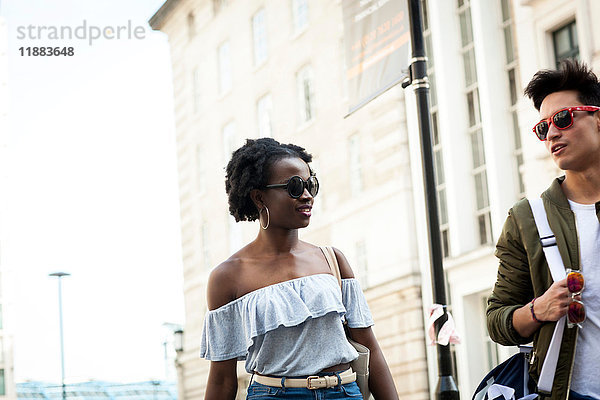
(158, 19)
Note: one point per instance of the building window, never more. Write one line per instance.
(304, 83)
(191, 25)
(264, 110)
(300, 15)
(196, 92)
(224, 57)
(565, 41)
(491, 348)
(259, 33)
(355, 168)
(511, 68)
(475, 130)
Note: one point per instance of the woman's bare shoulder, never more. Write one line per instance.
(345, 269)
(222, 283)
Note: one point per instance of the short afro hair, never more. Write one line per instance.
(570, 75)
(249, 169)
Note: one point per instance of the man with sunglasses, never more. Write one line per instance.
(526, 303)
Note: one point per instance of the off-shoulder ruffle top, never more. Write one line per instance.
(292, 328)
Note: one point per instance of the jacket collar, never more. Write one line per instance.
(555, 194)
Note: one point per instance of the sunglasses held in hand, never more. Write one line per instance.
(295, 186)
(575, 284)
(562, 119)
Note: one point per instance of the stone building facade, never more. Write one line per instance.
(256, 68)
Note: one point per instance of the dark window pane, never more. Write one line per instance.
(471, 108)
(445, 243)
(566, 44)
(508, 44)
(466, 30)
(443, 206)
(481, 190)
(562, 40)
(429, 51)
(439, 167)
(517, 133)
(425, 15)
(512, 82)
(477, 149)
(505, 10)
(432, 89)
(434, 125)
(519, 174)
(469, 65)
(483, 222)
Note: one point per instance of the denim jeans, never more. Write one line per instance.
(576, 396)
(256, 391)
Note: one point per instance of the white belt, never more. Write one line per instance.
(312, 382)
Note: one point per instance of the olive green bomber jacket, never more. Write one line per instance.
(524, 274)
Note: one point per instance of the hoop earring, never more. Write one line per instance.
(268, 218)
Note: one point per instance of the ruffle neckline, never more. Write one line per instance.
(229, 330)
(274, 286)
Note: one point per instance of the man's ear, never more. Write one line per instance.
(256, 195)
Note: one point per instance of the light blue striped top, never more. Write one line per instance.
(292, 328)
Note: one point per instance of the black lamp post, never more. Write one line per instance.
(59, 275)
(446, 387)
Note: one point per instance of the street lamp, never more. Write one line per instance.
(446, 388)
(59, 275)
(178, 340)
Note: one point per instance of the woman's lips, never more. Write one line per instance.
(306, 210)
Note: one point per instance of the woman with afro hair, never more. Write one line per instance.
(276, 303)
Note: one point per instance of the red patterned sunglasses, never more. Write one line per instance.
(562, 119)
(575, 284)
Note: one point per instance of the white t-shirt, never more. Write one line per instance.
(586, 370)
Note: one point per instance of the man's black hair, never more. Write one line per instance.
(249, 169)
(570, 75)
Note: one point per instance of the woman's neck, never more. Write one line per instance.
(277, 241)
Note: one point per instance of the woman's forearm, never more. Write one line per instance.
(222, 381)
(381, 382)
(220, 392)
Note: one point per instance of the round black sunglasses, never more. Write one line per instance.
(295, 186)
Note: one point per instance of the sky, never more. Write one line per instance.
(89, 187)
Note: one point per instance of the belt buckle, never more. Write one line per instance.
(309, 382)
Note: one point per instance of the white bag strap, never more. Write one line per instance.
(557, 270)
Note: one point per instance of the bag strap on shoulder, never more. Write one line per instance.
(333, 263)
(557, 270)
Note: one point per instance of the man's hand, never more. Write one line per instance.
(553, 304)
(550, 306)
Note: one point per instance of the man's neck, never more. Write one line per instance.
(582, 187)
